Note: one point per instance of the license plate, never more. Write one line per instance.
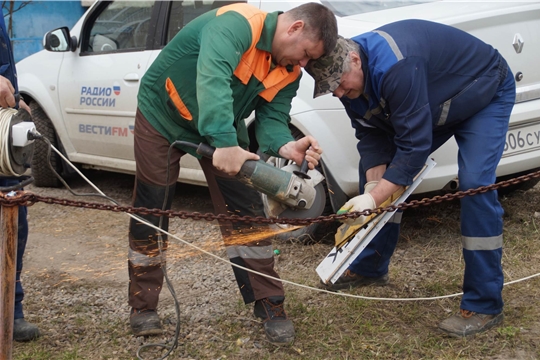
(522, 139)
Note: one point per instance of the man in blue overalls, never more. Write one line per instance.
(22, 330)
(408, 87)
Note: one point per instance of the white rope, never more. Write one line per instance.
(272, 277)
(5, 122)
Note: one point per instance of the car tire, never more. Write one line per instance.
(41, 171)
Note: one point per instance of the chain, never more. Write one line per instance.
(23, 198)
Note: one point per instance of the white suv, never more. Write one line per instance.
(83, 89)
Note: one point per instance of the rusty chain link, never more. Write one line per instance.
(23, 198)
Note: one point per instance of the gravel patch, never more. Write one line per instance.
(75, 273)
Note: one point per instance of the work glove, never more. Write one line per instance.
(363, 202)
(369, 186)
(358, 203)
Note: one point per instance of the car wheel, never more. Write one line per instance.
(41, 171)
(314, 233)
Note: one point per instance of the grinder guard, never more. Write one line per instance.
(312, 191)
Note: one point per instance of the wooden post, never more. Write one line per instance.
(9, 217)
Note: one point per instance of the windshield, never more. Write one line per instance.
(347, 8)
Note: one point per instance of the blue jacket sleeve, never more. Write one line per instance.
(375, 146)
(7, 63)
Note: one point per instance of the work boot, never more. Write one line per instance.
(24, 331)
(351, 280)
(145, 322)
(467, 323)
(277, 326)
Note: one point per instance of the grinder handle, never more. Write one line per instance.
(302, 172)
(304, 167)
(205, 150)
(246, 170)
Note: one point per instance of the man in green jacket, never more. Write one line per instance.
(217, 70)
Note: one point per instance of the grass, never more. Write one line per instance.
(427, 263)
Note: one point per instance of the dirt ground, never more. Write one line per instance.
(77, 258)
(75, 276)
(84, 243)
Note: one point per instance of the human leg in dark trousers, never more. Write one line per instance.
(145, 257)
(22, 330)
(146, 277)
(230, 196)
(370, 267)
(481, 142)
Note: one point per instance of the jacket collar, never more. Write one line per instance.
(365, 70)
(268, 32)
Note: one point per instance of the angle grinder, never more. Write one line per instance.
(289, 192)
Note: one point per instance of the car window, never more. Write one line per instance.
(182, 12)
(122, 25)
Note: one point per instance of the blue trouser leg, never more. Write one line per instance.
(22, 237)
(481, 142)
(373, 261)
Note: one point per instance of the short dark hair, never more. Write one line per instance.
(320, 21)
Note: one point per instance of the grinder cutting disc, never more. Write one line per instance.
(276, 209)
(315, 210)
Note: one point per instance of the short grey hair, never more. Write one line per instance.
(349, 46)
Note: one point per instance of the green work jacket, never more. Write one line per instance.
(199, 62)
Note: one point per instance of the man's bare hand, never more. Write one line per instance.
(306, 147)
(25, 106)
(7, 99)
(230, 159)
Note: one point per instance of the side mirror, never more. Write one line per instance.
(59, 40)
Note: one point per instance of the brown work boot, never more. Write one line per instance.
(467, 323)
(351, 280)
(24, 331)
(277, 326)
(145, 322)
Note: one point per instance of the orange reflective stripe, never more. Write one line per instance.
(177, 101)
(256, 62)
(245, 10)
(251, 60)
(277, 80)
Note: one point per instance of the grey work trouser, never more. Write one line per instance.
(229, 196)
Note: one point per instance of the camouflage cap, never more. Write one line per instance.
(327, 70)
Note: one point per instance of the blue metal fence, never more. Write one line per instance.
(33, 20)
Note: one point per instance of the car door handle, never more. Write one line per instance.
(131, 77)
